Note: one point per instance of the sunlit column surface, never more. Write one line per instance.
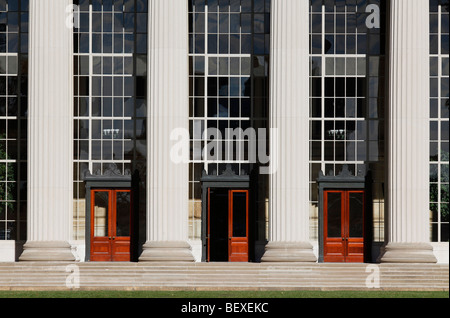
(167, 192)
(50, 132)
(289, 116)
(407, 232)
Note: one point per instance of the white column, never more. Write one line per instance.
(289, 115)
(50, 133)
(407, 231)
(167, 193)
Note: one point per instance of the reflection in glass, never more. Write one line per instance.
(334, 213)
(101, 206)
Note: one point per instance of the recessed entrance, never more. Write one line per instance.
(228, 239)
(344, 226)
(226, 234)
(110, 225)
(345, 217)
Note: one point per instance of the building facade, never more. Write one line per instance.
(224, 130)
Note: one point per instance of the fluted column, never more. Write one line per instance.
(407, 232)
(289, 117)
(50, 133)
(168, 177)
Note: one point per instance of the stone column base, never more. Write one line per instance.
(173, 251)
(47, 251)
(289, 252)
(407, 253)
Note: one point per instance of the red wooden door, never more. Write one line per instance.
(344, 226)
(110, 225)
(238, 226)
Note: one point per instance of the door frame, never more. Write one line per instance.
(344, 240)
(112, 179)
(113, 240)
(229, 180)
(345, 181)
(230, 238)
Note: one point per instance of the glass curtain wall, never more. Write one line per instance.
(13, 122)
(347, 70)
(439, 122)
(110, 106)
(229, 65)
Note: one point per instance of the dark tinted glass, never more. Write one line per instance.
(123, 210)
(239, 214)
(356, 212)
(334, 214)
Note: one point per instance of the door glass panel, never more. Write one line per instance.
(218, 223)
(356, 212)
(101, 204)
(334, 213)
(239, 214)
(123, 207)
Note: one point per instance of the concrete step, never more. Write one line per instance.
(220, 276)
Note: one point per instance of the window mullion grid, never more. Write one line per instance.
(439, 125)
(205, 97)
(322, 97)
(91, 71)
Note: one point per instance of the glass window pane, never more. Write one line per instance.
(356, 214)
(123, 213)
(101, 218)
(334, 214)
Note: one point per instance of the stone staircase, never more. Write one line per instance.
(222, 276)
